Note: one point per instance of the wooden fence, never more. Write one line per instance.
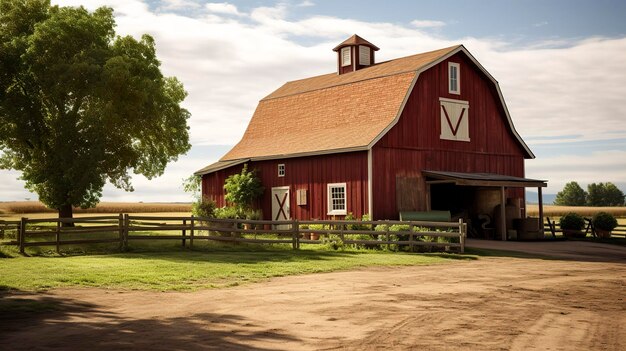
(552, 226)
(124, 228)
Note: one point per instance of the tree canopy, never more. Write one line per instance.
(571, 195)
(243, 189)
(597, 194)
(80, 106)
(604, 194)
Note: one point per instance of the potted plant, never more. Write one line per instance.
(572, 225)
(603, 224)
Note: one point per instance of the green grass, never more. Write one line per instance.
(190, 270)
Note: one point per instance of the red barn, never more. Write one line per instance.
(423, 132)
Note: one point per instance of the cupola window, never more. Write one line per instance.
(364, 55)
(345, 57)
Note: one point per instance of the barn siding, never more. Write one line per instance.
(413, 144)
(312, 173)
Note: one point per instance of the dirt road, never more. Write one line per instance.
(495, 303)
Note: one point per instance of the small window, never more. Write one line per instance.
(337, 199)
(281, 170)
(454, 78)
(345, 57)
(364, 55)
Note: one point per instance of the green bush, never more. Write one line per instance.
(226, 213)
(254, 215)
(604, 221)
(204, 207)
(572, 221)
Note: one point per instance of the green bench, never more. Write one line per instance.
(426, 216)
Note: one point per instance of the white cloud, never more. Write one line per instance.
(228, 60)
(179, 5)
(222, 8)
(427, 24)
(605, 166)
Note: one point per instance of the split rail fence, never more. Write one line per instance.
(124, 228)
(552, 226)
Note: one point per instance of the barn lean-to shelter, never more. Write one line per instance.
(424, 132)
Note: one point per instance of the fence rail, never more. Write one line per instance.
(552, 226)
(124, 228)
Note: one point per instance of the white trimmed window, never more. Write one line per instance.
(345, 57)
(364, 55)
(454, 78)
(281, 170)
(337, 199)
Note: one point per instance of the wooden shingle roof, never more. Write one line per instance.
(331, 113)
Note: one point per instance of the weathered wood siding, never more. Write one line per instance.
(312, 173)
(414, 143)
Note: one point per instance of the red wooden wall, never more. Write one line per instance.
(312, 173)
(414, 143)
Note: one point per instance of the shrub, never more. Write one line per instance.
(226, 213)
(204, 207)
(253, 215)
(242, 189)
(604, 221)
(572, 221)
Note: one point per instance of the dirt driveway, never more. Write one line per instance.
(494, 303)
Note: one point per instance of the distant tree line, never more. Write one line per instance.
(600, 194)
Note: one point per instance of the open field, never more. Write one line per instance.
(553, 211)
(36, 207)
(501, 302)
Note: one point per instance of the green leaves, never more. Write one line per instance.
(242, 189)
(79, 106)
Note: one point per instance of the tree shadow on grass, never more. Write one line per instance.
(35, 321)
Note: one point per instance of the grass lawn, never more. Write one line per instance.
(190, 270)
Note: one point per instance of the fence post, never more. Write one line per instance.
(462, 227)
(22, 233)
(295, 233)
(120, 224)
(57, 236)
(126, 226)
(191, 233)
(184, 231)
(411, 246)
(387, 235)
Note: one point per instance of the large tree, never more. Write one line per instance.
(571, 195)
(80, 106)
(604, 194)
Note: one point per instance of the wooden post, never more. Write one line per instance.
(120, 224)
(387, 236)
(184, 231)
(295, 233)
(411, 246)
(503, 213)
(191, 232)
(22, 234)
(428, 197)
(57, 237)
(462, 232)
(126, 226)
(540, 198)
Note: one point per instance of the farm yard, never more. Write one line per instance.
(491, 300)
(499, 295)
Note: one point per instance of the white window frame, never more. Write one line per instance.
(329, 198)
(364, 53)
(456, 91)
(281, 169)
(345, 62)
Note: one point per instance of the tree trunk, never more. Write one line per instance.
(65, 211)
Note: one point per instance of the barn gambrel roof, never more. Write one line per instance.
(335, 113)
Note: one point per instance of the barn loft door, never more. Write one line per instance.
(280, 205)
(408, 193)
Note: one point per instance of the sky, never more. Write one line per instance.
(561, 65)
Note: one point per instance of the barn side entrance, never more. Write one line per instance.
(492, 204)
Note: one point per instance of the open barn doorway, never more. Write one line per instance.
(491, 204)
